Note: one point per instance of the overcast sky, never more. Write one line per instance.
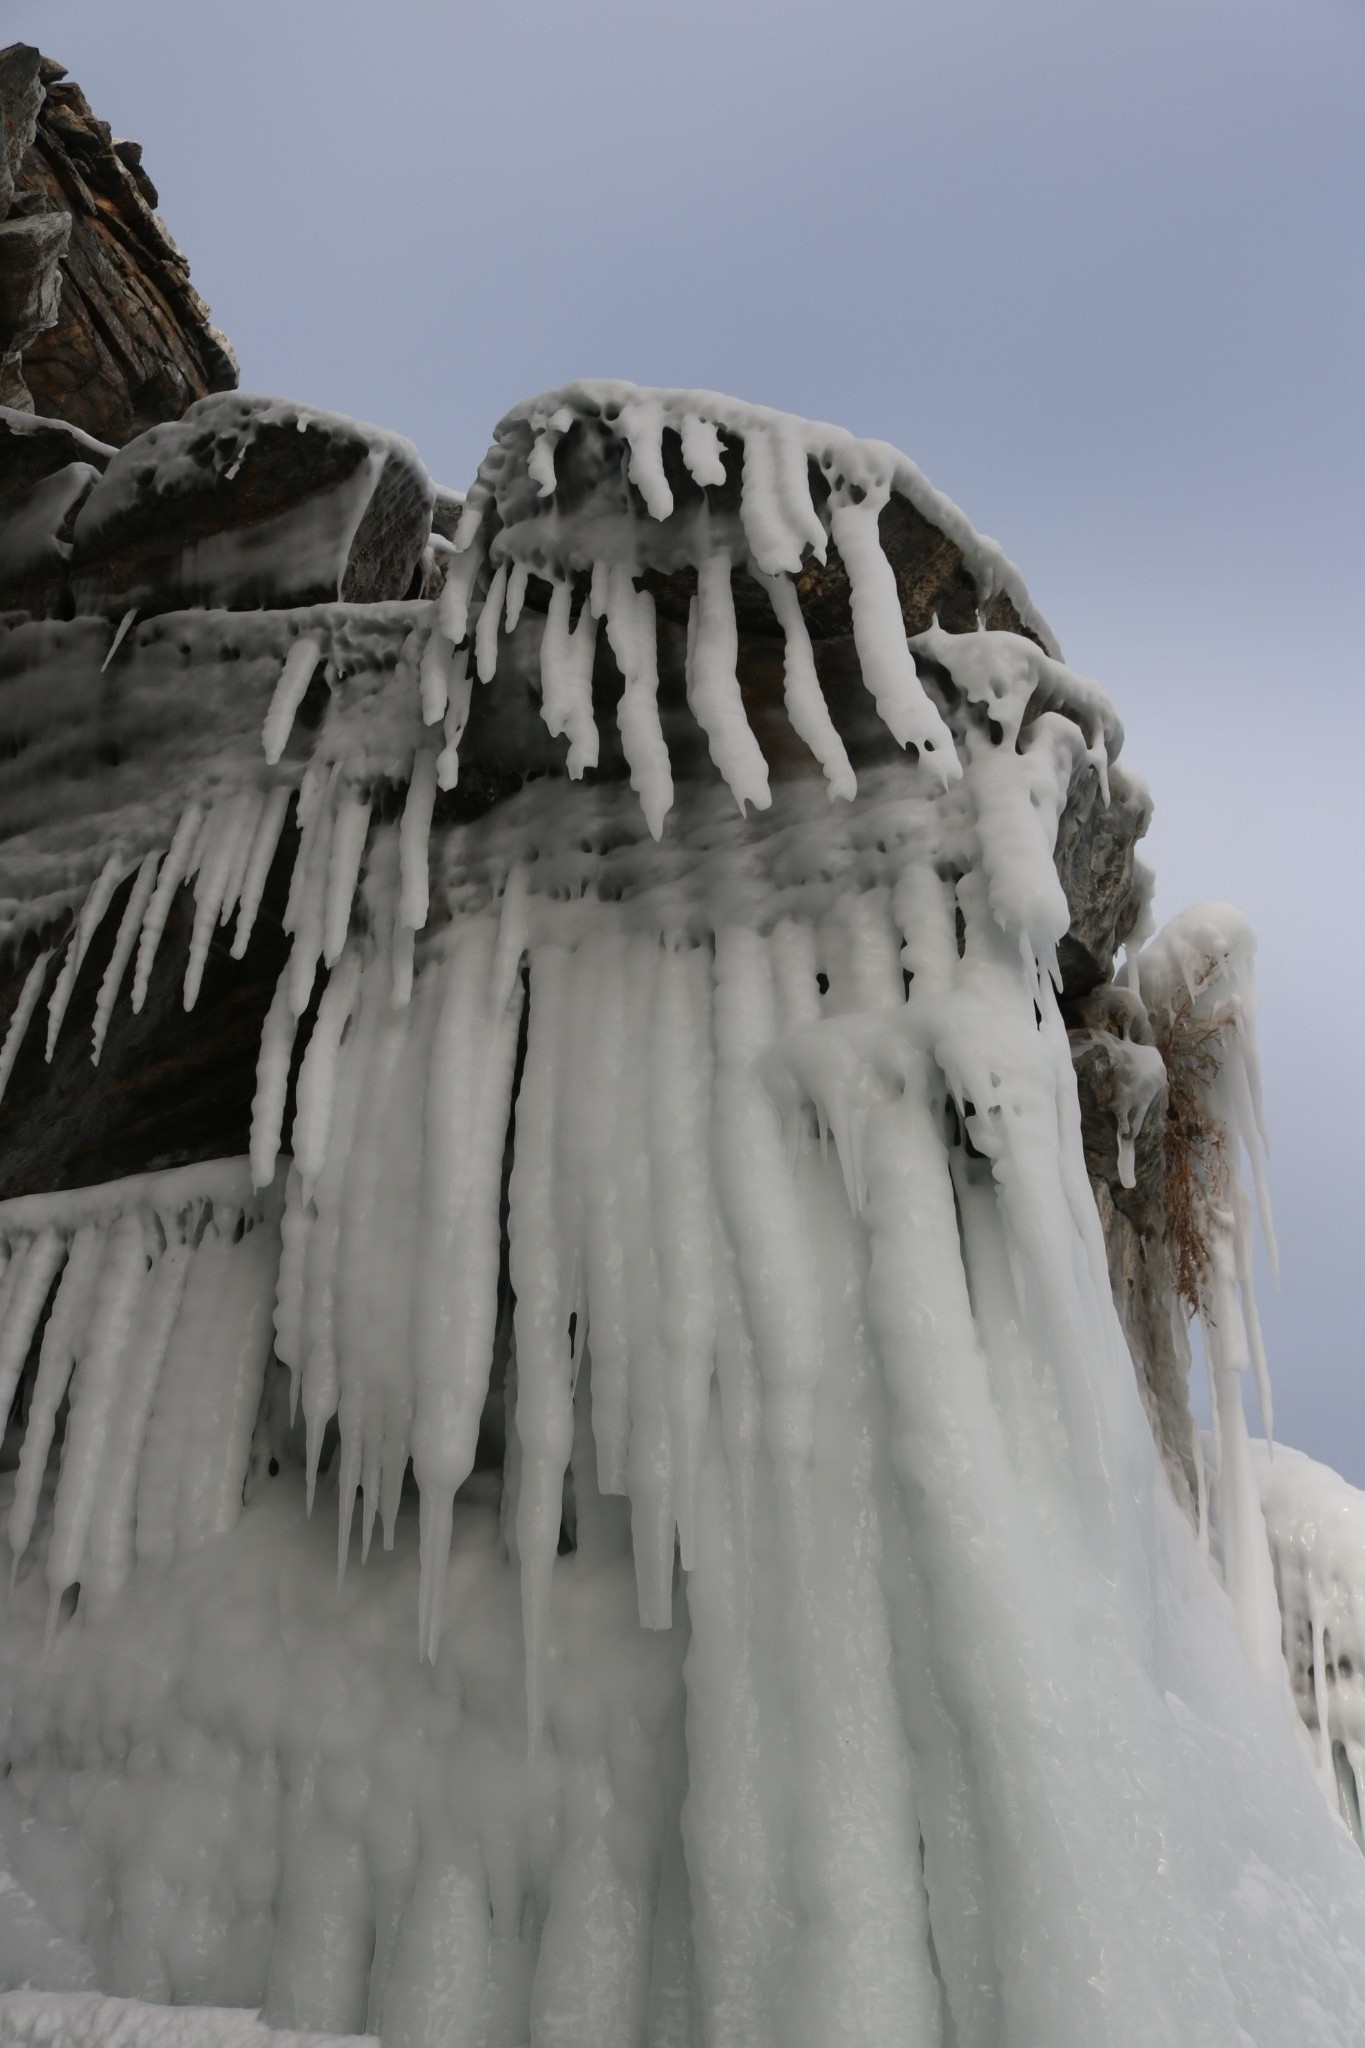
(1094, 264)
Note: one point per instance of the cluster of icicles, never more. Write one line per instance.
(157, 1337)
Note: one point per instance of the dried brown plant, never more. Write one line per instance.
(1194, 1142)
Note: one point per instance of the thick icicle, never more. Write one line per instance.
(63, 1341)
(544, 1412)
(649, 1459)
(297, 673)
(95, 1393)
(632, 635)
(28, 1281)
(713, 688)
(486, 632)
(414, 833)
(456, 1292)
(801, 690)
(113, 1517)
(317, 1075)
(350, 825)
(566, 661)
(452, 606)
(272, 1083)
(879, 636)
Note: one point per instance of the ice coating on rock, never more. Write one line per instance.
(782, 1631)
(1316, 1525)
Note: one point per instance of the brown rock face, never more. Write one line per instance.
(125, 340)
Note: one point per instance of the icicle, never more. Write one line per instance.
(296, 1227)
(566, 661)
(28, 1281)
(365, 1344)
(272, 1082)
(248, 1296)
(319, 1369)
(121, 632)
(297, 673)
(63, 1339)
(486, 632)
(802, 694)
(134, 910)
(511, 940)
(414, 832)
(879, 637)
(229, 824)
(404, 959)
(113, 1516)
(455, 1302)
(21, 1016)
(632, 636)
(172, 872)
(317, 1076)
(95, 1393)
(433, 676)
(641, 423)
(456, 718)
(774, 548)
(604, 1231)
(87, 924)
(679, 1107)
(517, 577)
(259, 864)
(452, 606)
(349, 829)
(544, 1415)
(713, 688)
(252, 803)
(195, 1344)
(702, 451)
(307, 908)
(649, 1458)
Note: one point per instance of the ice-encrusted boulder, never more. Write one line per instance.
(248, 502)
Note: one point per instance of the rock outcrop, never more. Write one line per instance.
(213, 506)
(99, 323)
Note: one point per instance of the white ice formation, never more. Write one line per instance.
(820, 1655)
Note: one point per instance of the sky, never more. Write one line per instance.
(1094, 264)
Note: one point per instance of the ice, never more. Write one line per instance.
(297, 673)
(171, 873)
(713, 688)
(22, 1015)
(783, 1630)
(1316, 1526)
(87, 924)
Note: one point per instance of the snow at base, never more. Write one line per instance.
(85, 2019)
(699, 1574)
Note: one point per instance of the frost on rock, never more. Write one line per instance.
(626, 1515)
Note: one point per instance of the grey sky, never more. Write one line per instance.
(1095, 266)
